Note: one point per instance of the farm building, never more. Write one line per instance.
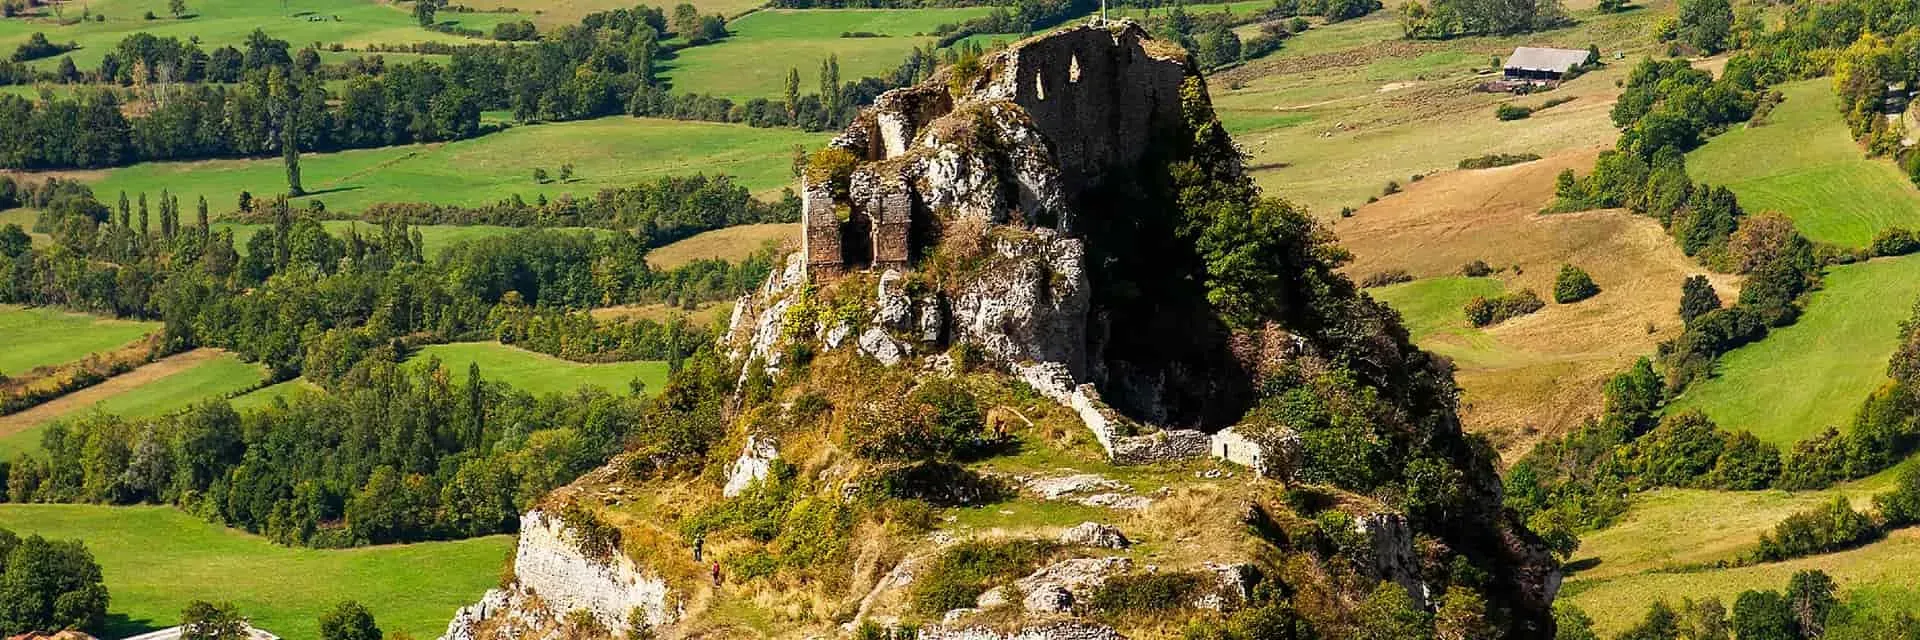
(1539, 64)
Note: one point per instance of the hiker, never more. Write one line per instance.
(699, 543)
(716, 574)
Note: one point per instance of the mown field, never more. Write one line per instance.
(158, 559)
(1659, 549)
(606, 152)
(548, 13)
(539, 373)
(732, 244)
(155, 389)
(35, 337)
(1803, 163)
(353, 23)
(753, 63)
(1815, 373)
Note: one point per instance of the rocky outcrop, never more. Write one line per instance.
(1062, 630)
(553, 578)
(1094, 534)
(752, 465)
(1393, 558)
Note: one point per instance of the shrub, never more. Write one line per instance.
(1391, 188)
(1831, 527)
(964, 571)
(1895, 241)
(1510, 111)
(938, 419)
(1145, 592)
(1483, 311)
(1492, 160)
(1476, 269)
(1573, 285)
(1384, 278)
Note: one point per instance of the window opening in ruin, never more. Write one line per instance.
(1039, 86)
(1073, 70)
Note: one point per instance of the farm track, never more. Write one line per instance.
(80, 400)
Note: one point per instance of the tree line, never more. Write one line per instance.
(660, 211)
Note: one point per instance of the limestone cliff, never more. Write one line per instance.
(1025, 232)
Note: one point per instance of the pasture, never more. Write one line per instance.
(24, 218)
(351, 23)
(1540, 373)
(547, 13)
(158, 388)
(39, 336)
(1344, 108)
(538, 373)
(158, 559)
(1815, 373)
(732, 244)
(607, 152)
(753, 63)
(1803, 163)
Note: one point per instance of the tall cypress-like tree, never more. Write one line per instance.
(143, 213)
(203, 214)
(126, 210)
(793, 94)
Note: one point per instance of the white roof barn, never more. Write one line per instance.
(1543, 63)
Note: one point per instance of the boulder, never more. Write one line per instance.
(1094, 534)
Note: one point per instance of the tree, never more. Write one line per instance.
(48, 586)
(540, 175)
(1697, 297)
(1706, 25)
(348, 621)
(1573, 285)
(1704, 619)
(566, 172)
(1462, 616)
(207, 621)
(793, 94)
(1390, 614)
(424, 10)
(1661, 623)
(1810, 598)
(686, 20)
(1762, 615)
(177, 7)
(1572, 623)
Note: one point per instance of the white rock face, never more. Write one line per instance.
(1094, 534)
(752, 465)
(875, 342)
(1393, 555)
(895, 310)
(1055, 587)
(1030, 304)
(550, 569)
(1065, 630)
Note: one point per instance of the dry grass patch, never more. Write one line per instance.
(732, 244)
(701, 315)
(1541, 373)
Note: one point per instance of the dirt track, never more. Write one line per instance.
(80, 400)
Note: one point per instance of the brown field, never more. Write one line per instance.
(79, 400)
(1538, 374)
(732, 244)
(706, 313)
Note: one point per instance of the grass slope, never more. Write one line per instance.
(1433, 309)
(539, 373)
(563, 12)
(1802, 378)
(36, 337)
(753, 63)
(1803, 163)
(605, 152)
(354, 23)
(157, 559)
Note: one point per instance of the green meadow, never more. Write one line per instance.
(606, 152)
(212, 378)
(352, 23)
(158, 559)
(40, 336)
(1433, 312)
(1815, 373)
(539, 373)
(765, 44)
(1803, 163)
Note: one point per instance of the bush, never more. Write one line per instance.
(1573, 285)
(1510, 111)
(1482, 311)
(1492, 160)
(964, 571)
(1831, 527)
(1895, 241)
(1146, 592)
(938, 419)
(1384, 278)
(1391, 188)
(1697, 298)
(1476, 269)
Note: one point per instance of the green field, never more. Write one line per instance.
(754, 61)
(1804, 377)
(213, 378)
(40, 336)
(157, 559)
(1655, 551)
(289, 391)
(354, 23)
(539, 373)
(607, 152)
(433, 237)
(1433, 312)
(1803, 163)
